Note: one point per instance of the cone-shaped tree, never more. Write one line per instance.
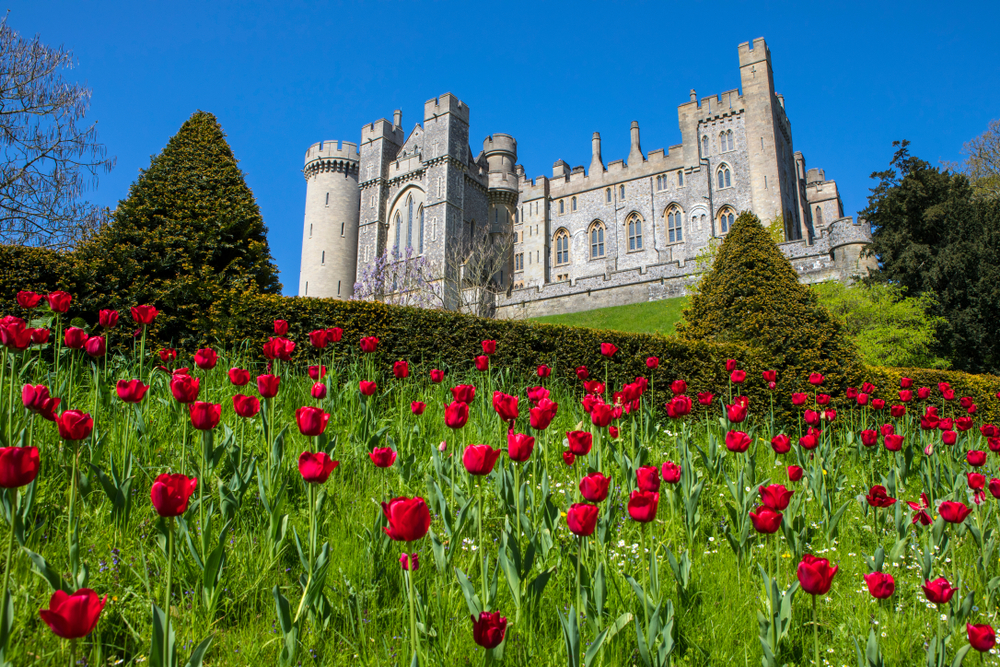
(753, 295)
(189, 229)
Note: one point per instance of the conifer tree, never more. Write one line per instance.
(752, 295)
(189, 230)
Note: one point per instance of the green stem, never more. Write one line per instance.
(72, 652)
(72, 499)
(815, 632)
(142, 351)
(482, 545)
(579, 558)
(645, 578)
(10, 550)
(166, 595)
(413, 613)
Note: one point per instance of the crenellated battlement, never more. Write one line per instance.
(445, 104)
(335, 150)
(381, 129)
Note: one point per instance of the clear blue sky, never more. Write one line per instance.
(281, 76)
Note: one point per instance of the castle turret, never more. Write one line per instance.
(330, 229)
(501, 154)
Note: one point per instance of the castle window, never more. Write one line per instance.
(327, 198)
(310, 230)
(819, 216)
(704, 146)
(562, 247)
(635, 232)
(675, 232)
(515, 216)
(680, 177)
(597, 240)
(561, 206)
(574, 203)
(322, 258)
(399, 225)
(307, 288)
(726, 218)
(409, 222)
(659, 182)
(338, 288)
(342, 225)
(621, 191)
(724, 178)
(729, 140)
(519, 261)
(421, 241)
(607, 195)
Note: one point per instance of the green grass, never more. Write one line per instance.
(651, 317)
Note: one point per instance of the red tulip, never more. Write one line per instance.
(963, 423)
(417, 408)
(569, 458)
(994, 487)
(18, 466)
(775, 496)
(318, 391)
(480, 459)
(594, 487)
(436, 375)
(737, 441)
(28, 299)
(489, 630)
(976, 481)
(59, 301)
(877, 497)
(647, 479)
(815, 574)
(41, 337)
(905, 383)
(36, 398)
(975, 457)
(279, 348)
(799, 399)
(678, 387)
(582, 519)
(316, 468)
(333, 334)
(131, 391)
(893, 442)
(205, 416)
(905, 395)
(401, 369)
(949, 437)
(880, 585)
(73, 616)
(482, 362)
(608, 349)
(319, 339)
(810, 440)
(794, 473)
(317, 372)
(594, 387)
(954, 512)
(580, 442)
(920, 510)
(383, 457)
(170, 494)
(456, 414)
(781, 444)
(923, 393)
(738, 376)
(464, 393)
(613, 432)
(489, 346)
(862, 400)
(642, 506)
(869, 438)
(409, 562)
(705, 398)
(731, 365)
(206, 358)
(816, 379)
(582, 373)
(878, 404)
(536, 394)
(96, 346)
(652, 362)
(168, 354)
(770, 376)
(369, 344)
(312, 421)
(601, 415)
(736, 413)
(74, 425)
(367, 387)
(239, 377)
(74, 338)
(811, 417)
(671, 472)
(989, 431)
(981, 637)
(542, 415)
(246, 406)
(897, 411)
(544, 371)
(108, 319)
(144, 315)
(678, 407)
(267, 385)
(938, 591)
(519, 446)
(765, 520)
(280, 327)
(505, 406)
(409, 518)
(184, 387)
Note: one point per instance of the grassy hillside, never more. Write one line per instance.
(651, 317)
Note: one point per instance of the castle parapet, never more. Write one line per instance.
(334, 150)
(847, 231)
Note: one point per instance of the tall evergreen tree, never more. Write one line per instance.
(753, 295)
(189, 229)
(933, 235)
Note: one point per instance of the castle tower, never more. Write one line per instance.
(330, 229)
(501, 154)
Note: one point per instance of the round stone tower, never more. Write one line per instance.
(330, 229)
(501, 154)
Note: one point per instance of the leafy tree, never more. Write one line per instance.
(189, 229)
(47, 160)
(932, 235)
(982, 161)
(887, 328)
(753, 295)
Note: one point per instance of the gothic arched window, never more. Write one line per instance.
(725, 180)
(399, 225)
(562, 247)
(675, 232)
(597, 240)
(819, 216)
(729, 140)
(726, 219)
(704, 146)
(409, 222)
(635, 232)
(421, 241)
(574, 203)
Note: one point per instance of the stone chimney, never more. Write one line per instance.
(635, 155)
(596, 163)
(397, 118)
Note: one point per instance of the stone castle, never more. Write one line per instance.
(628, 231)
